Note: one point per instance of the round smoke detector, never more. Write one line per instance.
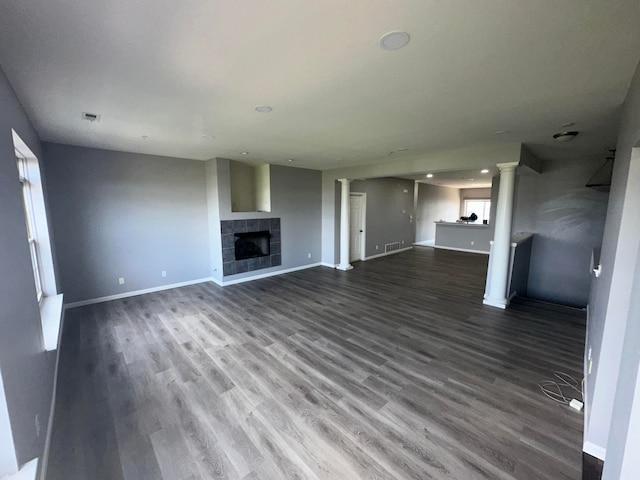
(394, 40)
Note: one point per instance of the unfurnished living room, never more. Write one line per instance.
(319, 240)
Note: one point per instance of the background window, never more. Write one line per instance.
(480, 206)
(31, 224)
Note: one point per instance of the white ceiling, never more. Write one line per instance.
(458, 178)
(177, 70)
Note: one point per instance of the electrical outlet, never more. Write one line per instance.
(37, 422)
(164, 273)
(590, 367)
(376, 247)
(589, 354)
(472, 242)
(309, 255)
(402, 242)
(121, 280)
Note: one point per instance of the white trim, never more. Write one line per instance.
(594, 450)
(268, 274)
(27, 472)
(52, 409)
(426, 243)
(363, 218)
(388, 253)
(51, 319)
(137, 292)
(221, 283)
(345, 269)
(461, 249)
(330, 265)
(497, 304)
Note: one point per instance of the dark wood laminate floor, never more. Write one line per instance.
(394, 370)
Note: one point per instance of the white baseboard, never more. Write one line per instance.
(494, 303)
(52, 409)
(221, 283)
(266, 275)
(426, 243)
(594, 450)
(387, 253)
(468, 250)
(137, 292)
(330, 265)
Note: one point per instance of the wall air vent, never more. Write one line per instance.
(390, 247)
(92, 117)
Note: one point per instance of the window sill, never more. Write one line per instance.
(51, 319)
(27, 472)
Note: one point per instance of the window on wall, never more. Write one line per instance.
(35, 214)
(29, 214)
(480, 206)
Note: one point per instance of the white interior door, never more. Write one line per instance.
(357, 202)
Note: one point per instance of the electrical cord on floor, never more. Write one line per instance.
(554, 389)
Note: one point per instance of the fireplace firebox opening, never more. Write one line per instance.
(252, 244)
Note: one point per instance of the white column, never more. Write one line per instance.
(344, 225)
(498, 272)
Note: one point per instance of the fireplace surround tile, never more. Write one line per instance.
(228, 229)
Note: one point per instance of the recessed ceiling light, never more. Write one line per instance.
(502, 132)
(565, 136)
(394, 40)
(208, 136)
(263, 108)
(471, 179)
(402, 150)
(244, 153)
(484, 170)
(290, 160)
(569, 124)
(429, 175)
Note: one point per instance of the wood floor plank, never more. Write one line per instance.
(393, 370)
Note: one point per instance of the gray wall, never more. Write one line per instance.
(625, 422)
(568, 220)
(26, 369)
(128, 215)
(471, 237)
(609, 304)
(386, 200)
(296, 198)
(435, 203)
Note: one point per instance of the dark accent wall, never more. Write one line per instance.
(568, 221)
(119, 214)
(26, 369)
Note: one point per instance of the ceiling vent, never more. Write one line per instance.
(601, 180)
(92, 117)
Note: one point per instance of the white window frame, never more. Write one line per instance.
(481, 215)
(29, 214)
(40, 249)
